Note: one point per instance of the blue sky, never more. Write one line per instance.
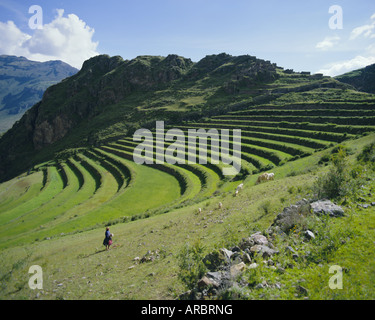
(293, 34)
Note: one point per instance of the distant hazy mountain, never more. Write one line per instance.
(362, 79)
(22, 84)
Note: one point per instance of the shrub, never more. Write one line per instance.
(191, 264)
(333, 184)
(324, 159)
(265, 207)
(292, 189)
(368, 154)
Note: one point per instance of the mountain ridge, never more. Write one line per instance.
(23, 82)
(362, 79)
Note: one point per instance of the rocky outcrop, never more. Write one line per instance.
(49, 132)
(324, 207)
(226, 265)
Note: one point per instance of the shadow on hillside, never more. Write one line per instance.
(92, 254)
(100, 251)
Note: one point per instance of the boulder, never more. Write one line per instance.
(236, 258)
(262, 250)
(227, 253)
(217, 258)
(215, 276)
(236, 269)
(289, 249)
(246, 243)
(326, 207)
(259, 239)
(206, 282)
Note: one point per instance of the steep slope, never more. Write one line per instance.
(22, 84)
(362, 79)
(111, 97)
(82, 130)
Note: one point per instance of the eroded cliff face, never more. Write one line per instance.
(49, 132)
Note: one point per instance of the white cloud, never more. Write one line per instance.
(365, 50)
(328, 43)
(66, 38)
(367, 30)
(339, 68)
(11, 39)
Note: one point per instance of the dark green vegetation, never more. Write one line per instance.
(68, 169)
(22, 84)
(361, 79)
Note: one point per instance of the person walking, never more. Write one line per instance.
(108, 239)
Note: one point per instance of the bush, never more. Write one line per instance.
(333, 184)
(265, 207)
(191, 264)
(324, 159)
(368, 154)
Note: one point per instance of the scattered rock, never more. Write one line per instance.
(295, 257)
(236, 269)
(309, 235)
(262, 250)
(216, 276)
(236, 249)
(246, 243)
(324, 207)
(246, 258)
(302, 291)
(259, 239)
(270, 263)
(236, 258)
(365, 206)
(289, 249)
(218, 258)
(253, 266)
(206, 282)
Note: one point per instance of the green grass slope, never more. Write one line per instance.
(76, 266)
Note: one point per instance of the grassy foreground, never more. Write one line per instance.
(77, 266)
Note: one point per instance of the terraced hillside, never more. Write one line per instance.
(83, 182)
(101, 185)
(76, 151)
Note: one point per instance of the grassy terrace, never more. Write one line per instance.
(327, 131)
(271, 142)
(309, 106)
(85, 271)
(300, 141)
(19, 190)
(208, 163)
(102, 184)
(208, 178)
(362, 120)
